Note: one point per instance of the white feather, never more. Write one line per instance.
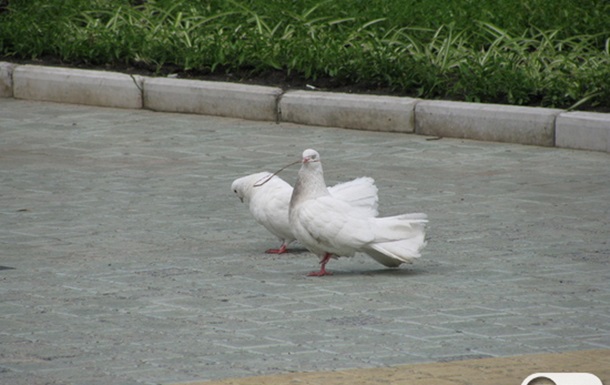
(326, 225)
(269, 201)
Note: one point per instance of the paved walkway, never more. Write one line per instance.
(126, 258)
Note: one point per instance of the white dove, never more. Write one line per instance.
(331, 228)
(269, 200)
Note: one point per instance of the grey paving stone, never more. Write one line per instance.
(131, 262)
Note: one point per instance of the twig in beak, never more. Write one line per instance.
(266, 179)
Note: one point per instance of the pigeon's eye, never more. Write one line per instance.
(235, 191)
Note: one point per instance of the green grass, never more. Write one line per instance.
(553, 53)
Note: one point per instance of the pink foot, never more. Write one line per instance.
(283, 249)
(322, 271)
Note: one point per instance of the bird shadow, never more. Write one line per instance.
(387, 272)
(297, 251)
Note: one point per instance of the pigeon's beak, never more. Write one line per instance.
(241, 199)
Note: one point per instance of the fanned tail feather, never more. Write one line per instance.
(406, 226)
(398, 239)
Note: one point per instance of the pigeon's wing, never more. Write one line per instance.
(328, 224)
(360, 193)
(269, 206)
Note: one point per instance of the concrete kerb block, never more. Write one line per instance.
(487, 122)
(583, 131)
(65, 85)
(364, 112)
(6, 79)
(211, 98)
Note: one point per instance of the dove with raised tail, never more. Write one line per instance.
(331, 228)
(268, 199)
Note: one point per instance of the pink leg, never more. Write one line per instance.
(322, 271)
(281, 250)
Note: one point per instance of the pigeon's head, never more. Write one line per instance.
(238, 188)
(243, 187)
(310, 155)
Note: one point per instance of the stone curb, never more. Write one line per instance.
(488, 122)
(75, 86)
(583, 130)
(6, 79)
(363, 112)
(211, 98)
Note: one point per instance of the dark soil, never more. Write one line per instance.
(274, 78)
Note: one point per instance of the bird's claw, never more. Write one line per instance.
(283, 249)
(320, 273)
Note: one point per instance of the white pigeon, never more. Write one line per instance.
(331, 228)
(269, 201)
